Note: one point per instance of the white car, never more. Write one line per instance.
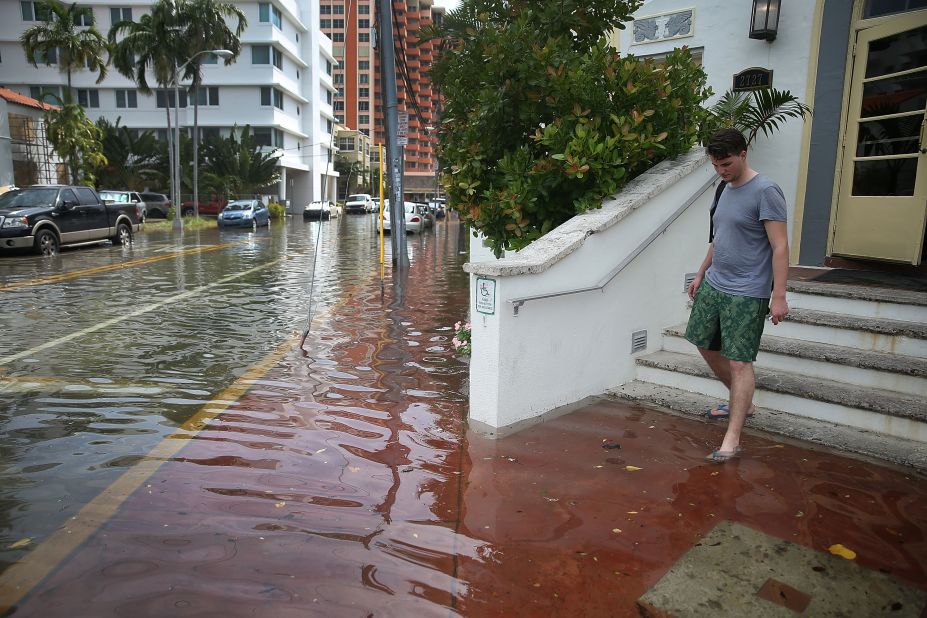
(358, 203)
(415, 223)
(319, 210)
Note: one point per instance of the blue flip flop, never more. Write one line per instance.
(722, 408)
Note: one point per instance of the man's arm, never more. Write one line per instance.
(693, 287)
(779, 241)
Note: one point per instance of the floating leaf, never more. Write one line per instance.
(616, 530)
(632, 468)
(20, 543)
(843, 552)
(280, 505)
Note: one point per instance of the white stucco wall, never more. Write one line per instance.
(720, 29)
(560, 350)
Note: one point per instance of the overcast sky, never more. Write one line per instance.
(449, 4)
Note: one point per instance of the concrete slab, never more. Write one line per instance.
(737, 571)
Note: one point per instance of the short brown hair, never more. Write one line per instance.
(726, 143)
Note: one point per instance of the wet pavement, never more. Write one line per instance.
(190, 460)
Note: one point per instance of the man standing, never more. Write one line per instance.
(741, 279)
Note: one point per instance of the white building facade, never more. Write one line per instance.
(280, 85)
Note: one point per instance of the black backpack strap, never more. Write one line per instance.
(711, 215)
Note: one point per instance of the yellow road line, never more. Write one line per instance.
(102, 269)
(18, 580)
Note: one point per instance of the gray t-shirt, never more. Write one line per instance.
(741, 262)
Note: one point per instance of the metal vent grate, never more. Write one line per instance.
(638, 341)
(690, 277)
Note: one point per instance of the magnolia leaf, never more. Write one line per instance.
(843, 552)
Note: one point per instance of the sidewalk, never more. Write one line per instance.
(346, 484)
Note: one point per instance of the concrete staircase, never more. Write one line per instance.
(847, 369)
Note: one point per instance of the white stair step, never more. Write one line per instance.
(897, 450)
(869, 302)
(894, 372)
(895, 414)
(871, 334)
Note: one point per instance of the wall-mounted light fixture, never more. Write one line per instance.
(764, 22)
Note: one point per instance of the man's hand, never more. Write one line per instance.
(778, 309)
(693, 286)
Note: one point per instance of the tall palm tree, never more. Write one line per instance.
(206, 26)
(154, 43)
(76, 46)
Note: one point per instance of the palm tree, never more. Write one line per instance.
(75, 45)
(760, 110)
(206, 27)
(154, 43)
(132, 158)
(237, 164)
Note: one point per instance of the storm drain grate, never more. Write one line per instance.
(638, 341)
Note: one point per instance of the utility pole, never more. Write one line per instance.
(387, 49)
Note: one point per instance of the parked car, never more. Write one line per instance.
(319, 210)
(213, 206)
(46, 217)
(244, 213)
(415, 223)
(111, 196)
(358, 203)
(438, 208)
(158, 204)
(428, 216)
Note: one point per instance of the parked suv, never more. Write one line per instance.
(158, 204)
(45, 217)
(126, 197)
(359, 202)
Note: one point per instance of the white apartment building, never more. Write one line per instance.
(281, 85)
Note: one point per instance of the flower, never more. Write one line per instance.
(461, 340)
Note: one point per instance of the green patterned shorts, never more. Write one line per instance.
(731, 324)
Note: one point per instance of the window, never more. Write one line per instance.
(363, 92)
(126, 98)
(338, 78)
(337, 37)
(166, 97)
(267, 12)
(411, 165)
(363, 37)
(278, 58)
(207, 95)
(260, 54)
(328, 96)
(876, 8)
(328, 125)
(363, 106)
(339, 106)
(363, 119)
(325, 24)
(48, 94)
(338, 9)
(328, 67)
(120, 13)
(325, 9)
(46, 57)
(268, 136)
(363, 78)
(363, 23)
(338, 24)
(34, 11)
(345, 143)
(363, 65)
(85, 18)
(272, 96)
(86, 196)
(363, 9)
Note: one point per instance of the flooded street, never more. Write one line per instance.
(168, 450)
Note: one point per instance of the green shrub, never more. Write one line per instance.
(277, 210)
(543, 119)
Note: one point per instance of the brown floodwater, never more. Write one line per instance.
(343, 480)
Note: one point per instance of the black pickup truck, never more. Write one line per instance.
(46, 217)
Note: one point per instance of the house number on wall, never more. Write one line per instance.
(754, 78)
(486, 295)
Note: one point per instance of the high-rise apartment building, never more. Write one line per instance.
(281, 85)
(351, 25)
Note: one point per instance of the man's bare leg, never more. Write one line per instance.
(743, 383)
(719, 365)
